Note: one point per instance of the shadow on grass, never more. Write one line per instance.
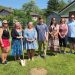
(49, 53)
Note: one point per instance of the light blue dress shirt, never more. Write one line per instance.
(71, 29)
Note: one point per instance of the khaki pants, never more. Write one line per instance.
(42, 46)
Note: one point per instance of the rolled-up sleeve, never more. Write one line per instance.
(46, 28)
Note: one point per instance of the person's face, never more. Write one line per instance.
(30, 25)
(62, 20)
(72, 17)
(54, 20)
(5, 25)
(41, 21)
(17, 26)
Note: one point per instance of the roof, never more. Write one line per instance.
(5, 10)
(67, 6)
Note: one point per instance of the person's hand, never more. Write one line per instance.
(30, 40)
(46, 38)
(21, 37)
(2, 45)
(63, 36)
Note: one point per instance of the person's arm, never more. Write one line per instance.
(35, 34)
(25, 35)
(46, 34)
(1, 32)
(57, 32)
(66, 30)
(14, 34)
(60, 32)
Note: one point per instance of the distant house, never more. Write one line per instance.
(34, 16)
(53, 14)
(4, 12)
(68, 10)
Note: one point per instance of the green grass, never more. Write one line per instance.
(61, 64)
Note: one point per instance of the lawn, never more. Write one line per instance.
(61, 64)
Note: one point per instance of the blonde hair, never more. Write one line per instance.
(18, 24)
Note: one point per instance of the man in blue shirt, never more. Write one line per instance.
(71, 32)
(42, 31)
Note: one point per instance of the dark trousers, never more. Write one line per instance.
(63, 41)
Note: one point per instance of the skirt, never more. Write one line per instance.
(30, 45)
(16, 47)
(53, 44)
(6, 43)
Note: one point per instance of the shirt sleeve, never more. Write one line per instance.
(36, 28)
(14, 34)
(46, 28)
(35, 34)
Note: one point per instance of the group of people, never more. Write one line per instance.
(41, 36)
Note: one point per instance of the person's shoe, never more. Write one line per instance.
(39, 56)
(32, 59)
(74, 53)
(70, 52)
(29, 59)
(5, 62)
(19, 58)
(64, 52)
(44, 56)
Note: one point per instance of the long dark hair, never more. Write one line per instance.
(52, 21)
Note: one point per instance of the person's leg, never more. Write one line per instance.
(15, 57)
(6, 53)
(29, 54)
(32, 54)
(71, 44)
(44, 47)
(64, 44)
(19, 54)
(3, 55)
(74, 47)
(40, 47)
(60, 43)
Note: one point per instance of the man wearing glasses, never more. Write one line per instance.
(71, 33)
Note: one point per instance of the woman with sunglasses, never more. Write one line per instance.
(4, 41)
(63, 30)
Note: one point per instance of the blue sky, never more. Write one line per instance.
(18, 3)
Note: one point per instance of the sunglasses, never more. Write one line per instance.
(5, 23)
(72, 17)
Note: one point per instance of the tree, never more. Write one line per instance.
(54, 5)
(62, 4)
(31, 7)
(70, 1)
